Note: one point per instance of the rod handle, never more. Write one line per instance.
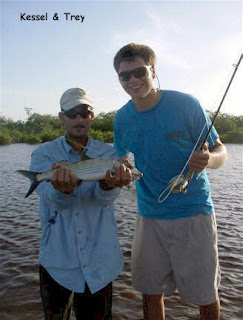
(189, 175)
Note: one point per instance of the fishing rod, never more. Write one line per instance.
(179, 183)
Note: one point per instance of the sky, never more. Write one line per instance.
(196, 43)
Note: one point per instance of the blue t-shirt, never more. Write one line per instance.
(162, 139)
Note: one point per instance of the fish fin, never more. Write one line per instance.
(33, 186)
(32, 176)
(28, 174)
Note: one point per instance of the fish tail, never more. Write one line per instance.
(32, 176)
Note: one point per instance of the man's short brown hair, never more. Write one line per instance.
(132, 51)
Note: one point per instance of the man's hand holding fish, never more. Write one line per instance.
(65, 181)
(121, 177)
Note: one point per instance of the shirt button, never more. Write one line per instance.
(84, 266)
(77, 213)
(79, 231)
(81, 249)
(52, 221)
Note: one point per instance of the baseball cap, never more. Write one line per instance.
(74, 97)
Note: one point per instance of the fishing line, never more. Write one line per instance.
(83, 147)
(179, 183)
(180, 176)
(157, 81)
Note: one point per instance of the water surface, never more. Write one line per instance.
(20, 232)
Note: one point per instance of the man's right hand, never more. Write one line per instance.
(63, 180)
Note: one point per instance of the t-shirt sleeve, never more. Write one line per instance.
(198, 120)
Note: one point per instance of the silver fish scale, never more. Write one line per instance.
(95, 171)
(89, 170)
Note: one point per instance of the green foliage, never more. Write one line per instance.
(50, 133)
(16, 135)
(226, 123)
(37, 129)
(106, 136)
(232, 137)
(32, 138)
(104, 121)
(36, 123)
(41, 128)
(5, 137)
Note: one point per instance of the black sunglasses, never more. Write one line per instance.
(137, 73)
(72, 113)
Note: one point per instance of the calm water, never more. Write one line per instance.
(20, 232)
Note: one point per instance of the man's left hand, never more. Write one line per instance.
(120, 178)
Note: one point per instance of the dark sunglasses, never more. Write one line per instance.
(137, 73)
(72, 113)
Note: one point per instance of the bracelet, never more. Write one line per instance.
(104, 186)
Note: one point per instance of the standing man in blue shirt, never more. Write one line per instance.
(80, 253)
(175, 243)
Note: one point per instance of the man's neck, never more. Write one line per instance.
(78, 144)
(149, 101)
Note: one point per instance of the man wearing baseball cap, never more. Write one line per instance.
(80, 253)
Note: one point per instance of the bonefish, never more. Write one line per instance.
(86, 170)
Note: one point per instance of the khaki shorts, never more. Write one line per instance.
(178, 253)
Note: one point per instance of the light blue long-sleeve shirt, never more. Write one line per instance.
(79, 242)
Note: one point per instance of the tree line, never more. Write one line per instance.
(41, 128)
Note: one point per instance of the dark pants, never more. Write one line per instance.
(58, 301)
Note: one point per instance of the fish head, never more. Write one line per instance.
(136, 174)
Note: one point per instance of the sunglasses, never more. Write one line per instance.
(72, 113)
(137, 73)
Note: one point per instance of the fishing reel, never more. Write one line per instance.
(179, 183)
